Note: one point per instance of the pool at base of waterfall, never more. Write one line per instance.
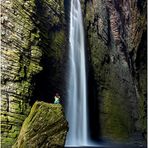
(88, 146)
(109, 145)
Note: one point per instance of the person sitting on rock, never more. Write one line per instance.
(57, 99)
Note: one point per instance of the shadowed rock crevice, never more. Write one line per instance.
(49, 19)
(93, 108)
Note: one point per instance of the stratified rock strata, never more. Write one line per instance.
(20, 61)
(45, 127)
(33, 42)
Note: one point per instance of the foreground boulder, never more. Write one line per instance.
(45, 127)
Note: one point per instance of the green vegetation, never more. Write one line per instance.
(45, 126)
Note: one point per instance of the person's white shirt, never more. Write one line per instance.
(56, 98)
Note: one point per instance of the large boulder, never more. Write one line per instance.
(45, 126)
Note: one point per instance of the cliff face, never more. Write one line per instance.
(33, 42)
(116, 38)
(45, 127)
(20, 61)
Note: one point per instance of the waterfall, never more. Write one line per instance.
(76, 107)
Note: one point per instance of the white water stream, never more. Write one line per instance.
(76, 107)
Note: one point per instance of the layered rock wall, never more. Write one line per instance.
(30, 30)
(20, 61)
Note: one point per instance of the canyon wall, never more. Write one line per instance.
(116, 40)
(33, 45)
(34, 56)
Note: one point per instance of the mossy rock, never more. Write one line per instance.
(45, 126)
(117, 123)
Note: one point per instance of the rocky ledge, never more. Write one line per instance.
(45, 126)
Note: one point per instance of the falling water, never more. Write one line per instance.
(76, 110)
